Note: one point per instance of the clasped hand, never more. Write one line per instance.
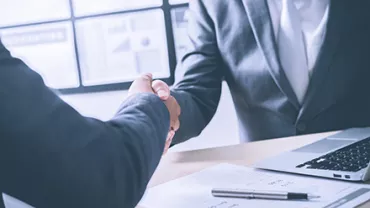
(145, 84)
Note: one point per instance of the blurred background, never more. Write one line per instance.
(90, 52)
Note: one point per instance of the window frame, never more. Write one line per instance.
(166, 9)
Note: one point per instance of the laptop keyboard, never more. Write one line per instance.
(351, 158)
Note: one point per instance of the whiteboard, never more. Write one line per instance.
(48, 49)
(180, 31)
(17, 12)
(118, 48)
(178, 1)
(86, 7)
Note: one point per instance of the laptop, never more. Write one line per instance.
(344, 156)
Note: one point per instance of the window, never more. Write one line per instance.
(179, 25)
(85, 46)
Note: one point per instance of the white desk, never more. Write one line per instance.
(175, 165)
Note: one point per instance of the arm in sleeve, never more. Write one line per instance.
(199, 90)
(51, 156)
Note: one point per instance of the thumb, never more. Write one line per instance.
(161, 89)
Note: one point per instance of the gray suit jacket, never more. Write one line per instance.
(51, 156)
(233, 40)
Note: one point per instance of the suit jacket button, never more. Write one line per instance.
(301, 127)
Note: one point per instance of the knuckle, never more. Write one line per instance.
(160, 84)
(147, 76)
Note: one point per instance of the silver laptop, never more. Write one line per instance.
(344, 156)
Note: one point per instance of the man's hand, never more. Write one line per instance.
(163, 91)
(145, 84)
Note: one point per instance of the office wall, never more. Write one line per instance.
(84, 47)
(221, 131)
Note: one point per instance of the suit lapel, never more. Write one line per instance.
(337, 24)
(259, 18)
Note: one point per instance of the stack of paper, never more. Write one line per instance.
(195, 190)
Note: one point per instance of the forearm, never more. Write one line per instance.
(87, 163)
(145, 119)
(51, 156)
(197, 112)
(201, 73)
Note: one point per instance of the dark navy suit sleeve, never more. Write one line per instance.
(51, 156)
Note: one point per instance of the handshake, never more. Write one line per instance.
(145, 84)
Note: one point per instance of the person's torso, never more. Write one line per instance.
(265, 102)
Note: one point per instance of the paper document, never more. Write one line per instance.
(11, 202)
(195, 190)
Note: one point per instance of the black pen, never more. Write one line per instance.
(256, 194)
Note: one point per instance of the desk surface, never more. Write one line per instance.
(175, 165)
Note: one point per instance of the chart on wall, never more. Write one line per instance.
(48, 49)
(118, 48)
(178, 1)
(85, 7)
(16, 12)
(180, 27)
(85, 46)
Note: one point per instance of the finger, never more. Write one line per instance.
(170, 136)
(166, 147)
(161, 89)
(175, 104)
(178, 108)
(175, 124)
(165, 150)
